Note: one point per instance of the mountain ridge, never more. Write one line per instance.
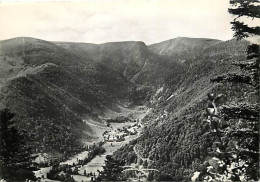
(54, 84)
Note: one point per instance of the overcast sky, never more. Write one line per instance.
(150, 21)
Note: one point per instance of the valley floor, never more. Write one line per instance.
(95, 165)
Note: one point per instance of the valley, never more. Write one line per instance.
(142, 104)
(138, 91)
(110, 145)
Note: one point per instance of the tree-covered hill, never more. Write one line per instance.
(177, 140)
(133, 59)
(50, 90)
(51, 87)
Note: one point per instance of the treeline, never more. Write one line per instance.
(59, 138)
(64, 172)
(126, 154)
(119, 119)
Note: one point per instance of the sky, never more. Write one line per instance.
(96, 21)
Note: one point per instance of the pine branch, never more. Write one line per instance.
(253, 52)
(243, 111)
(243, 133)
(251, 68)
(233, 77)
(246, 10)
(251, 65)
(243, 31)
(236, 2)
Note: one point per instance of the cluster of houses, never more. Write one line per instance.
(118, 135)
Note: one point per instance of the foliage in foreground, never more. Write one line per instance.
(15, 157)
(236, 124)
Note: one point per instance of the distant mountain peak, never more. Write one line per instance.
(180, 46)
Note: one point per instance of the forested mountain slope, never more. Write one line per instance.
(51, 87)
(133, 59)
(176, 140)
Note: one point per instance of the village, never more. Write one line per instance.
(85, 166)
(117, 132)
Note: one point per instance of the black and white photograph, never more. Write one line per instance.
(129, 90)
